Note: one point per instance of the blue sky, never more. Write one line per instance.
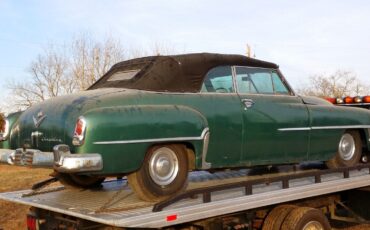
(303, 37)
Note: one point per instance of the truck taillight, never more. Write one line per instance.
(31, 223)
(79, 133)
(4, 130)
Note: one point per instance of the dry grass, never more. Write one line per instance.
(13, 216)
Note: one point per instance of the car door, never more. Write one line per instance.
(220, 103)
(275, 121)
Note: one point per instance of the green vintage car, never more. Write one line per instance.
(153, 119)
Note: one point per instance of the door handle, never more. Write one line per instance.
(248, 103)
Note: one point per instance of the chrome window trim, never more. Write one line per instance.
(325, 128)
(201, 137)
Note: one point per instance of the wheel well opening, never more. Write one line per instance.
(363, 139)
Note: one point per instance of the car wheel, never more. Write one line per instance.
(79, 181)
(276, 217)
(306, 218)
(349, 151)
(163, 173)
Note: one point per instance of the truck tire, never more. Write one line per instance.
(349, 150)
(304, 218)
(79, 181)
(163, 173)
(276, 217)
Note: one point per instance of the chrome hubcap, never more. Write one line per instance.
(313, 225)
(163, 166)
(347, 147)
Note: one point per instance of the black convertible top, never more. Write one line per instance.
(175, 73)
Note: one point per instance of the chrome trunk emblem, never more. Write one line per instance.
(39, 119)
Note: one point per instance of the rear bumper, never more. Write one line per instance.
(60, 159)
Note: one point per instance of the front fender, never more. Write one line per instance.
(123, 134)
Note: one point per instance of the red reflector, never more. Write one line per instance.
(31, 223)
(366, 99)
(171, 218)
(348, 100)
(331, 100)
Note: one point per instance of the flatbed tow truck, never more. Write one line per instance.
(239, 199)
(306, 196)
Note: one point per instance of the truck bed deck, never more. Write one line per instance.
(116, 205)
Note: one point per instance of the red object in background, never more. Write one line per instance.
(348, 100)
(331, 100)
(366, 99)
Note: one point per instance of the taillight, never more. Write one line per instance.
(348, 100)
(80, 130)
(31, 223)
(5, 130)
(366, 99)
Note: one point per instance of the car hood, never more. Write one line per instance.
(52, 122)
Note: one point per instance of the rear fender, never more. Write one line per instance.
(123, 134)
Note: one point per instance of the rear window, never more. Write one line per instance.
(124, 75)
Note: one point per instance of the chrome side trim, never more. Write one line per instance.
(201, 137)
(343, 127)
(326, 127)
(205, 164)
(295, 129)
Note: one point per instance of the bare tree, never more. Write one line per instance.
(66, 70)
(155, 49)
(48, 79)
(91, 60)
(73, 67)
(338, 84)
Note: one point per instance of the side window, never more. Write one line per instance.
(218, 80)
(279, 86)
(259, 80)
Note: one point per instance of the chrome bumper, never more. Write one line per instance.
(66, 162)
(29, 157)
(60, 159)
